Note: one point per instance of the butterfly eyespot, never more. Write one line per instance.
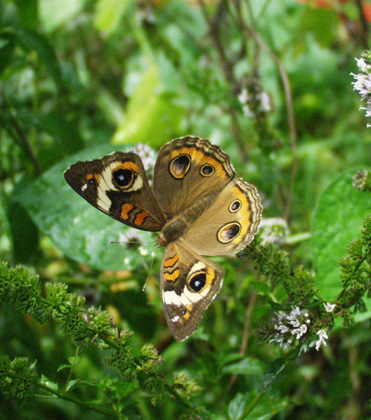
(198, 282)
(228, 232)
(207, 170)
(180, 166)
(235, 206)
(123, 177)
(91, 180)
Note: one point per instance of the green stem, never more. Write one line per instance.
(177, 396)
(75, 400)
(250, 407)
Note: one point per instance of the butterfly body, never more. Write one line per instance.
(196, 204)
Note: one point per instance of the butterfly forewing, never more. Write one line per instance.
(187, 170)
(118, 186)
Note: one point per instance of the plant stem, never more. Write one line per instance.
(75, 400)
(20, 134)
(364, 24)
(226, 68)
(246, 330)
(290, 113)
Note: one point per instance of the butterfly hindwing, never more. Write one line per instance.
(189, 283)
(229, 223)
(118, 186)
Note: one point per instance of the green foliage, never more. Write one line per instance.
(270, 82)
(336, 222)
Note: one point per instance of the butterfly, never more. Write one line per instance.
(197, 205)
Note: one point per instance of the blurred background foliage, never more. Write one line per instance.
(82, 78)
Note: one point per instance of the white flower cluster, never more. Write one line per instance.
(147, 154)
(363, 84)
(290, 328)
(273, 230)
(246, 99)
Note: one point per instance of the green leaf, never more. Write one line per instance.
(236, 407)
(337, 220)
(108, 14)
(258, 407)
(78, 229)
(246, 366)
(52, 15)
(152, 116)
(73, 383)
(33, 41)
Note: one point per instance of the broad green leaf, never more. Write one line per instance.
(54, 14)
(255, 407)
(108, 14)
(152, 116)
(78, 229)
(337, 220)
(247, 366)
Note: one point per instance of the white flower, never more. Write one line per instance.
(243, 96)
(147, 156)
(362, 65)
(329, 307)
(258, 101)
(274, 230)
(321, 340)
(290, 327)
(265, 102)
(363, 84)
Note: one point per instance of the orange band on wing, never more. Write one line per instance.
(200, 157)
(126, 208)
(131, 166)
(140, 217)
(170, 262)
(172, 276)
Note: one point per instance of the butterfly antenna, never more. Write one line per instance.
(149, 271)
(131, 242)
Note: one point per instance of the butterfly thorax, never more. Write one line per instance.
(178, 225)
(172, 230)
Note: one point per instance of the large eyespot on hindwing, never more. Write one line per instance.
(228, 232)
(197, 281)
(179, 166)
(207, 170)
